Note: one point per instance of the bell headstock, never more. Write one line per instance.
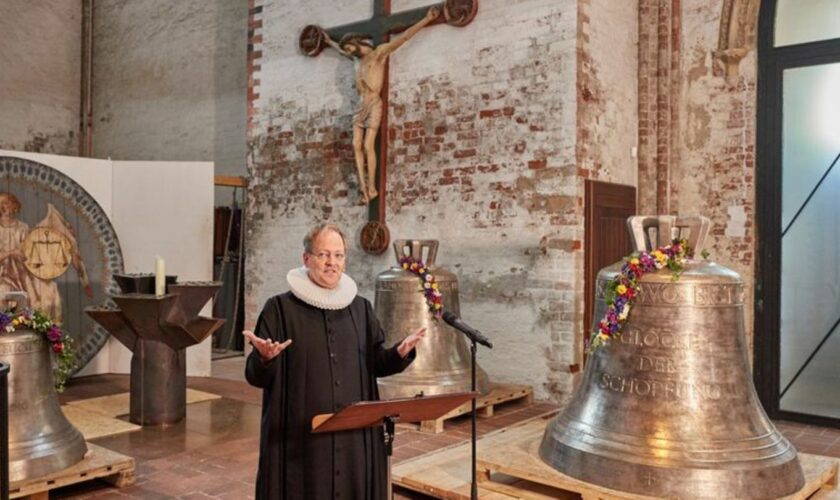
(15, 299)
(424, 250)
(648, 232)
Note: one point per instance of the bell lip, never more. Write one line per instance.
(46, 465)
(71, 447)
(406, 384)
(681, 481)
(768, 447)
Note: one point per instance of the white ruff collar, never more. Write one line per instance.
(322, 298)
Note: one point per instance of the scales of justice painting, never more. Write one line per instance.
(58, 246)
(32, 259)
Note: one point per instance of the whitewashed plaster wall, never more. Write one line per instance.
(493, 176)
(717, 135)
(170, 82)
(40, 57)
(608, 65)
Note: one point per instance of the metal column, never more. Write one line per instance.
(4, 432)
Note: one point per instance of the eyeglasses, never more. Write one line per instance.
(323, 256)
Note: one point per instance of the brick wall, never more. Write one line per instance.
(717, 171)
(484, 155)
(697, 129)
(607, 101)
(607, 90)
(490, 143)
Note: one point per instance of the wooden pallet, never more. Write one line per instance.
(446, 473)
(518, 457)
(485, 405)
(509, 468)
(99, 463)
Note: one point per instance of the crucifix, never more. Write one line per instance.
(370, 42)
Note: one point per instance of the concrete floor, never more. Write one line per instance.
(213, 453)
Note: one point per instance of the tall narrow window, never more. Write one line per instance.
(798, 306)
(802, 21)
(810, 345)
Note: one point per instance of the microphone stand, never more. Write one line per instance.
(474, 484)
(389, 422)
(475, 338)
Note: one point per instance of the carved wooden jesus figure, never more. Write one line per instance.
(370, 76)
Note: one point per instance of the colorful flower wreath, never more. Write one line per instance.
(622, 289)
(60, 343)
(430, 290)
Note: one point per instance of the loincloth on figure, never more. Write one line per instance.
(369, 113)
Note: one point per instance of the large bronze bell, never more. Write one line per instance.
(41, 439)
(669, 408)
(442, 365)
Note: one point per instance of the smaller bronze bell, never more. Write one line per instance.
(443, 358)
(41, 439)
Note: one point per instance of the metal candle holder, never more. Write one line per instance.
(157, 330)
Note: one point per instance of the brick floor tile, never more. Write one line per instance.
(196, 496)
(214, 453)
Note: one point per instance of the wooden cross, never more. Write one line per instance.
(380, 28)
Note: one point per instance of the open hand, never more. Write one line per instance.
(267, 348)
(409, 342)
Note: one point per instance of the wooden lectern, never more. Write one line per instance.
(386, 413)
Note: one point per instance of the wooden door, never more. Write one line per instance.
(606, 238)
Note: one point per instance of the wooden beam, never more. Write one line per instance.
(231, 181)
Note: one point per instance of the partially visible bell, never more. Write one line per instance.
(442, 365)
(41, 439)
(669, 408)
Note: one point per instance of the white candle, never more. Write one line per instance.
(160, 277)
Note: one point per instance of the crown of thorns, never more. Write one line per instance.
(356, 38)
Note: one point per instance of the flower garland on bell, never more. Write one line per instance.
(434, 299)
(625, 286)
(60, 343)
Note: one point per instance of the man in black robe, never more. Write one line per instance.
(317, 349)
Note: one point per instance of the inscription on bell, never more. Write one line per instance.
(656, 338)
(657, 356)
(669, 390)
(656, 364)
(21, 347)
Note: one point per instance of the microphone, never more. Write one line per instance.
(473, 334)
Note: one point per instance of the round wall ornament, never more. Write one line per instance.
(375, 237)
(58, 246)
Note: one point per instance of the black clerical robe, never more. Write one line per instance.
(334, 359)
